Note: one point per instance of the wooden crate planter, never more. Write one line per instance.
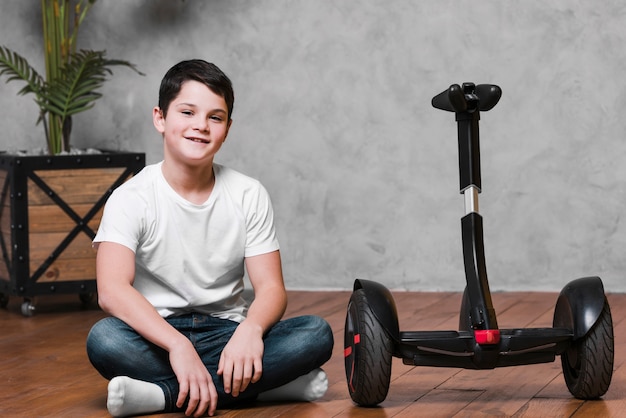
(50, 209)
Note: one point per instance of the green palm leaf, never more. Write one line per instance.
(76, 90)
(17, 68)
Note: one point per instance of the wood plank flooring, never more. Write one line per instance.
(44, 371)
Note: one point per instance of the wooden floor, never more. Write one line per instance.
(44, 371)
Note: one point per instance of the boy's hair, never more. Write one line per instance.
(198, 70)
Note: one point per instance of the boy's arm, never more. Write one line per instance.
(241, 361)
(115, 267)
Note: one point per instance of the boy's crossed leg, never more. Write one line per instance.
(128, 396)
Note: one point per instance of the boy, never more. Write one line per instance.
(172, 246)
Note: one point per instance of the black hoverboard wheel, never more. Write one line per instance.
(368, 352)
(588, 362)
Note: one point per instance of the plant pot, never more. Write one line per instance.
(50, 209)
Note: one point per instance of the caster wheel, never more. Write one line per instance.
(4, 300)
(28, 309)
(86, 298)
(368, 352)
(588, 363)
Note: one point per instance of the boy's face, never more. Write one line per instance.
(196, 125)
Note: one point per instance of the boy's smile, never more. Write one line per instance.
(198, 140)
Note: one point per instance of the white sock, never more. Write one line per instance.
(308, 387)
(132, 397)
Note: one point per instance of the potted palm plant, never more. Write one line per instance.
(50, 204)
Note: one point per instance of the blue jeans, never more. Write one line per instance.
(293, 347)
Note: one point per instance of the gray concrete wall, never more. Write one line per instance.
(333, 115)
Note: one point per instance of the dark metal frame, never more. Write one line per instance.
(23, 282)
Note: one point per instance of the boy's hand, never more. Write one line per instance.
(241, 361)
(194, 381)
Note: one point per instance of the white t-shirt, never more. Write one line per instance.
(190, 258)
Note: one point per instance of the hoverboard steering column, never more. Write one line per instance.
(467, 102)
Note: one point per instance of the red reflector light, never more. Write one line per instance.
(348, 350)
(487, 336)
